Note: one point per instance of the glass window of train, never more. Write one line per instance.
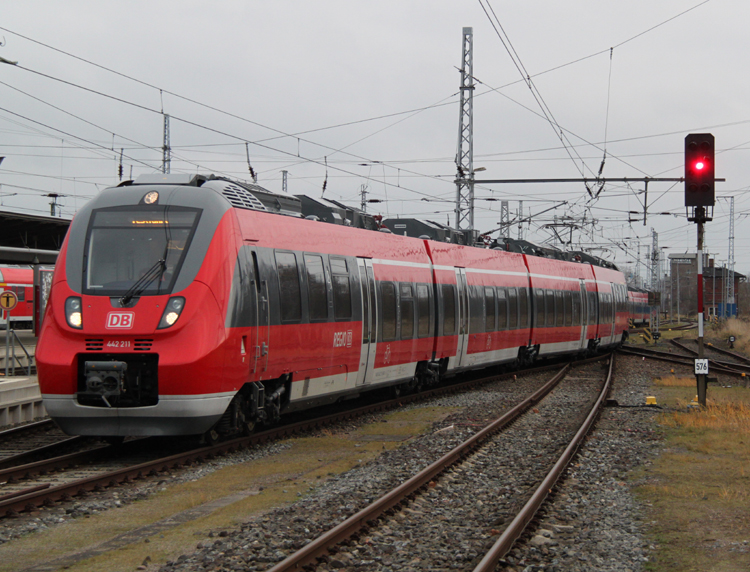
(541, 312)
(559, 309)
(476, 309)
(317, 296)
(568, 308)
(20, 293)
(523, 306)
(338, 265)
(407, 312)
(291, 301)
(388, 299)
(576, 306)
(549, 307)
(593, 301)
(449, 309)
(423, 310)
(342, 298)
(512, 308)
(502, 309)
(489, 309)
(365, 306)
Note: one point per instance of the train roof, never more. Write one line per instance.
(245, 195)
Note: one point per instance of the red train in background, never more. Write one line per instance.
(188, 305)
(21, 282)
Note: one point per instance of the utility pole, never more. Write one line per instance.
(363, 199)
(166, 155)
(520, 220)
(655, 255)
(465, 151)
(730, 261)
(504, 220)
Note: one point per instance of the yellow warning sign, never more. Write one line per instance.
(8, 300)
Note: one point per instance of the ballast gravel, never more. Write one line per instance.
(591, 522)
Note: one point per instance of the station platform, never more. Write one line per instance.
(20, 400)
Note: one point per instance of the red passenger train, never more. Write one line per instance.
(20, 282)
(187, 304)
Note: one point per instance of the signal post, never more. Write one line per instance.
(699, 196)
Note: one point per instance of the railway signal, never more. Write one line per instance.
(699, 170)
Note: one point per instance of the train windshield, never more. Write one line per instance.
(126, 244)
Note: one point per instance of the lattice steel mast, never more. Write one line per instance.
(730, 259)
(465, 152)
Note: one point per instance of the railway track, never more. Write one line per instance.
(28, 486)
(732, 369)
(35, 441)
(443, 490)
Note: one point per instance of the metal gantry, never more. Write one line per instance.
(465, 151)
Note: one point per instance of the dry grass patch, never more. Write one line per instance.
(699, 488)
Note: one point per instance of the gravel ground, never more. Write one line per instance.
(591, 523)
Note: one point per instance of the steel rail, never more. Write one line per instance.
(687, 361)
(28, 427)
(64, 492)
(320, 546)
(17, 459)
(503, 544)
(741, 367)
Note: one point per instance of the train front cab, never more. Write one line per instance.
(152, 363)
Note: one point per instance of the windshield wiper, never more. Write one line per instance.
(144, 281)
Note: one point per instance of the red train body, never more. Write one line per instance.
(20, 281)
(176, 311)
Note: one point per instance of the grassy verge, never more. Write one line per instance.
(698, 490)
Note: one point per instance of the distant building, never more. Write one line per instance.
(684, 286)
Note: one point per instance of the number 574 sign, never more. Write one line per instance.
(701, 367)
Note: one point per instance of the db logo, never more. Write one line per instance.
(123, 320)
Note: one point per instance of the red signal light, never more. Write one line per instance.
(699, 166)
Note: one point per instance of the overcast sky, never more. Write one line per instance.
(371, 89)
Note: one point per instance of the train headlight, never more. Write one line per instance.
(73, 312)
(172, 312)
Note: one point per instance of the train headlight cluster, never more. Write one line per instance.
(172, 312)
(73, 312)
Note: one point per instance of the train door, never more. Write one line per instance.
(584, 313)
(369, 320)
(463, 317)
(264, 318)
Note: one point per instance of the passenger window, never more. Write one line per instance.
(388, 299)
(289, 290)
(407, 312)
(449, 309)
(568, 308)
(502, 309)
(559, 309)
(423, 308)
(342, 296)
(541, 310)
(317, 297)
(523, 304)
(549, 304)
(512, 309)
(489, 309)
(476, 309)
